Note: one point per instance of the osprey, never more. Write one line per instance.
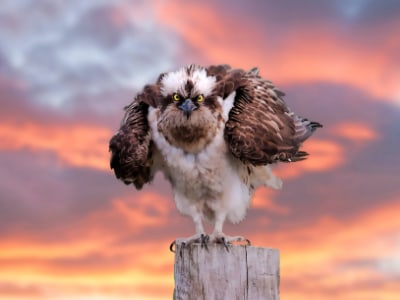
(214, 132)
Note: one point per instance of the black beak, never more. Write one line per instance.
(187, 107)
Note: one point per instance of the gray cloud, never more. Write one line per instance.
(67, 49)
(36, 192)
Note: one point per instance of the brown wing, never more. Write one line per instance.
(131, 147)
(261, 129)
(228, 79)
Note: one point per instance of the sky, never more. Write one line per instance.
(70, 230)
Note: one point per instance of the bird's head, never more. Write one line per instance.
(187, 89)
(189, 109)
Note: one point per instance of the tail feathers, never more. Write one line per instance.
(314, 125)
(304, 128)
(300, 155)
(289, 157)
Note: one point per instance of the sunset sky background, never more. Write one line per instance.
(69, 230)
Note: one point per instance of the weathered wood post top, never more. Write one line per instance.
(243, 272)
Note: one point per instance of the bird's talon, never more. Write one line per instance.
(171, 246)
(204, 241)
(225, 243)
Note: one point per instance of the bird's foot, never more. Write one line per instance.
(201, 239)
(226, 240)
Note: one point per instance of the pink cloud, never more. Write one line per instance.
(76, 145)
(325, 155)
(317, 258)
(311, 257)
(263, 199)
(355, 132)
(312, 53)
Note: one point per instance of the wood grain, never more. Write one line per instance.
(245, 272)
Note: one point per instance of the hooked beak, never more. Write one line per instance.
(187, 107)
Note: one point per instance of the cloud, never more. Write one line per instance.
(317, 54)
(62, 51)
(77, 145)
(313, 256)
(141, 211)
(70, 259)
(263, 199)
(326, 155)
(40, 195)
(357, 133)
(70, 230)
(77, 264)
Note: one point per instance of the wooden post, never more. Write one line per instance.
(245, 272)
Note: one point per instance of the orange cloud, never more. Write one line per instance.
(325, 155)
(263, 199)
(77, 145)
(315, 260)
(91, 260)
(121, 218)
(309, 54)
(209, 32)
(317, 54)
(96, 257)
(139, 211)
(329, 257)
(356, 132)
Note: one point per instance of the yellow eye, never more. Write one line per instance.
(176, 97)
(200, 98)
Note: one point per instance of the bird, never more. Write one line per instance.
(214, 132)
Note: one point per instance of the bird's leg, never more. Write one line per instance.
(198, 237)
(217, 236)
